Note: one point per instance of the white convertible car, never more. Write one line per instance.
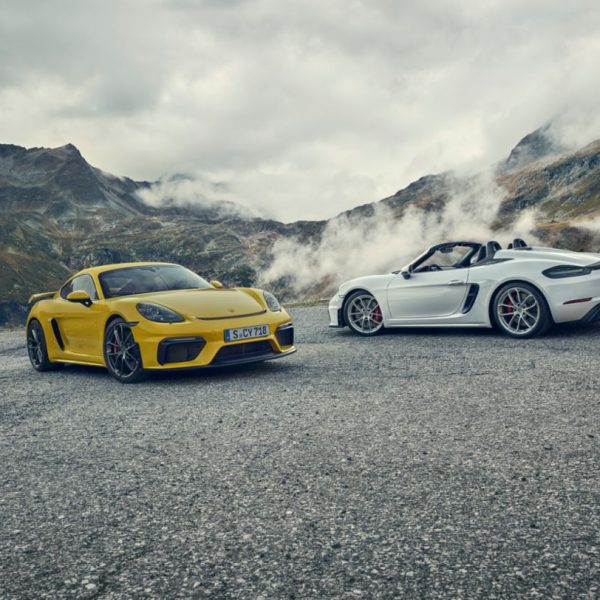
(521, 290)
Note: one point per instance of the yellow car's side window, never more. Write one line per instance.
(81, 283)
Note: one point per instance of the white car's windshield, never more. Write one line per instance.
(451, 257)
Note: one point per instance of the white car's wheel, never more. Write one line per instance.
(520, 311)
(363, 314)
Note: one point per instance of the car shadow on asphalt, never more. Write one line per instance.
(557, 331)
(269, 368)
(203, 374)
(208, 374)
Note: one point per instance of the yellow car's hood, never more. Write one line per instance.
(207, 303)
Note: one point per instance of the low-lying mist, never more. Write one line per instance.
(196, 194)
(352, 246)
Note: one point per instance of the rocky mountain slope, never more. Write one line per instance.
(59, 214)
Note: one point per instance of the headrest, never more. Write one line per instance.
(481, 255)
(492, 247)
(519, 243)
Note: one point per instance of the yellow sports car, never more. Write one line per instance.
(138, 317)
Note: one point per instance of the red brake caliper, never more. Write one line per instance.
(509, 309)
(377, 314)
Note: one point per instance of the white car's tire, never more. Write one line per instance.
(520, 311)
(362, 314)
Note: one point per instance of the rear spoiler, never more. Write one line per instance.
(43, 296)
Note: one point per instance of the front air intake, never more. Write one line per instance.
(242, 352)
(177, 350)
(285, 335)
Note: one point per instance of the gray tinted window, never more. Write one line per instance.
(149, 278)
(82, 283)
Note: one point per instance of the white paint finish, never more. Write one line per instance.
(444, 292)
(437, 298)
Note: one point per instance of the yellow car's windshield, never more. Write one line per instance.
(149, 278)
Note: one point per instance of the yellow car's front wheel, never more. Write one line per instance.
(122, 353)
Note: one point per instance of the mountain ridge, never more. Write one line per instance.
(60, 214)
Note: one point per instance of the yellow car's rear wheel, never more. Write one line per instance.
(122, 353)
(37, 350)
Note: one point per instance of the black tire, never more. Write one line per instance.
(362, 314)
(37, 349)
(520, 310)
(122, 355)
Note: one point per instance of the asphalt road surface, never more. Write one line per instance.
(428, 464)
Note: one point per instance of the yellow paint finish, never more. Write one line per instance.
(206, 313)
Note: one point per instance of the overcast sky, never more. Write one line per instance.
(303, 108)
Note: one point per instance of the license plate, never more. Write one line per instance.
(246, 333)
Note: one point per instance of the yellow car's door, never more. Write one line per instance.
(79, 324)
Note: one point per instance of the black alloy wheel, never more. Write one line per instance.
(122, 353)
(37, 349)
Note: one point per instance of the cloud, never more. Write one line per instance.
(592, 225)
(182, 191)
(352, 246)
(303, 109)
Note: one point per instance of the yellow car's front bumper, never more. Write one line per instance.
(201, 343)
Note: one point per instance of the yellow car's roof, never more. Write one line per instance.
(102, 268)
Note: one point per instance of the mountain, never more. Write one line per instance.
(562, 188)
(59, 214)
(541, 144)
(59, 183)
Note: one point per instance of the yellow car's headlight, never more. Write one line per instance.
(158, 313)
(271, 301)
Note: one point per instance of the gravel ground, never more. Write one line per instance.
(419, 464)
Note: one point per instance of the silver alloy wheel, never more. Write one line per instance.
(364, 314)
(34, 346)
(518, 310)
(122, 351)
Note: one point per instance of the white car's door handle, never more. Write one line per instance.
(456, 282)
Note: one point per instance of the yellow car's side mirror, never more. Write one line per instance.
(216, 284)
(81, 297)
